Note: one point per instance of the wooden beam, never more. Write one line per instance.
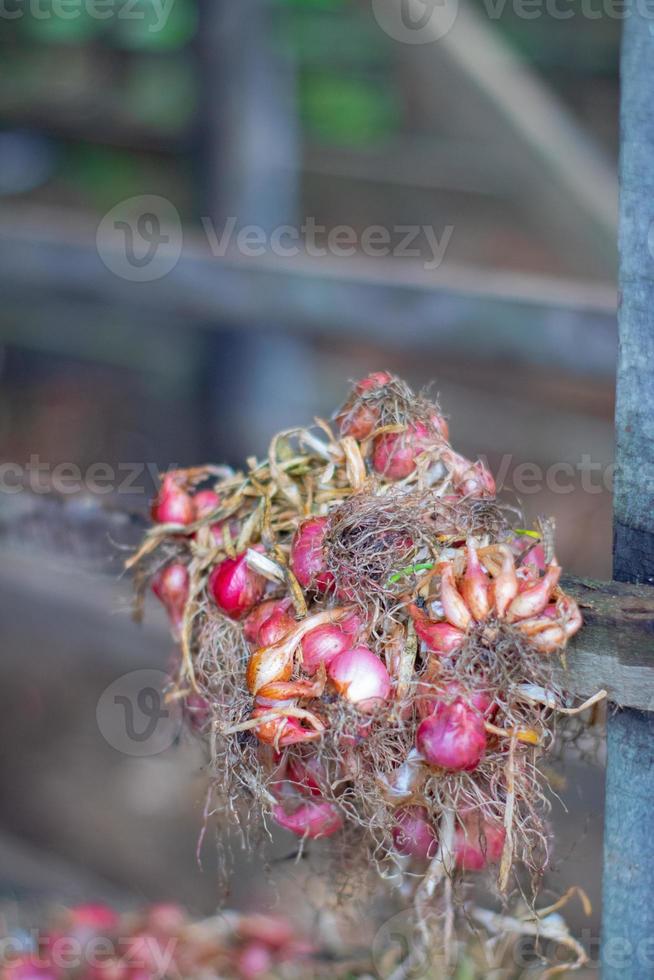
(611, 652)
(468, 312)
(628, 909)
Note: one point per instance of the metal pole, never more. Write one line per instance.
(628, 905)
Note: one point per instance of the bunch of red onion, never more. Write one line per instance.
(327, 674)
(94, 942)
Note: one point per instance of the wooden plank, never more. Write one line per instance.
(613, 651)
(628, 910)
(472, 313)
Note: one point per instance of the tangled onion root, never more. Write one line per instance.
(423, 709)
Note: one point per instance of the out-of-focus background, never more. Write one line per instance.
(212, 215)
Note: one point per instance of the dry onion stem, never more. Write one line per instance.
(422, 550)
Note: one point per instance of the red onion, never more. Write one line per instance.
(205, 503)
(198, 711)
(29, 968)
(478, 843)
(394, 453)
(234, 587)
(376, 379)
(147, 953)
(259, 615)
(171, 587)
(307, 558)
(361, 677)
(270, 930)
(254, 960)
(322, 645)
(113, 969)
(172, 505)
(441, 638)
(475, 586)
(311, 819)
(275, 628)
(307, 773)
(165, 918)
(413, 833)
(93, 915)
(475, 698)
(453, 737)
(359, 419)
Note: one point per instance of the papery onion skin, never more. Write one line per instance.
(307, 558)
(234, 587)
(361, 677)
(453, 737)
(172, 505)
(394, 453)
(359, 420)
(310, 819)
(171, 587)
(413, 833)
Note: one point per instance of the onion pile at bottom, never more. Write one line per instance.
(370, 646)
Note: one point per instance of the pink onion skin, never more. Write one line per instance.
(172, 505)
(478, 844)
(361, 677)
(394, 454)
(322, 645)
(145, 952)
(441, 638)
(254, 960)
(307, 558)
(28, 968)
(434, 694)
(171, 587)
(93, 915)
(310, 819)
(271, 930)
(376, 379)
(275, 628)
(234, 587)
(453, 737)
(413, 834)
(197, 710)
(205, 503)
(255, 620)
(307, 775)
